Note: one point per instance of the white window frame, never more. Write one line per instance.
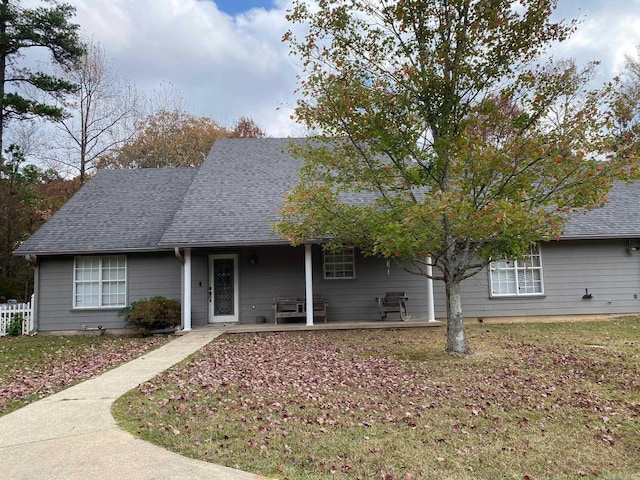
(100, 282)
(517, 275)
(338, 263)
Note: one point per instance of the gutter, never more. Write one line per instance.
(108, 251)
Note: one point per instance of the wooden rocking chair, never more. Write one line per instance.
(393, 302)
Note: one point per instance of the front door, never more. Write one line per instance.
(223, 288)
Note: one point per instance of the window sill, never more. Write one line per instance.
(517, 297)
(100, 309)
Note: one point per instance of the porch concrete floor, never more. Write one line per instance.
(290, 326)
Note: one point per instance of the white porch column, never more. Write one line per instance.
(431, 315)
(186, 290)
(308, 277)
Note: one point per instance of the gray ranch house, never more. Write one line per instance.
(205, 236)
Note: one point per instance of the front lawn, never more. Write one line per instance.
(536, 401)
(34, 367)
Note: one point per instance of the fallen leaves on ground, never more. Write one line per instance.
(306, 402)
(35, 367)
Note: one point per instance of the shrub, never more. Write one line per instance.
(14, 329)
(156, 313)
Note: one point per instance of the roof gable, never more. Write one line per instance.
(117, 210)
(236, 195)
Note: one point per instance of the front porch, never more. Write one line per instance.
(238, 286)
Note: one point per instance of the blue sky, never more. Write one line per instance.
(233, 7)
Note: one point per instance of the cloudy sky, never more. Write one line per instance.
(226, 58)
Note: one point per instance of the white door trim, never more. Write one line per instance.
(236, 304)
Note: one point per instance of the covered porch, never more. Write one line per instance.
(238, 286)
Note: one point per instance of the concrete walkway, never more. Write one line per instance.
(72, 436)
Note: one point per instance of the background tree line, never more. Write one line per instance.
(76, 114)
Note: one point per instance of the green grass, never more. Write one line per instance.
(34, 367)
(538, 401)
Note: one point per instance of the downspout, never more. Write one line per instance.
(36, 292)
(178, 255)
(431, 315)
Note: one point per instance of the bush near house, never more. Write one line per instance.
(15, 326)
(156, 313)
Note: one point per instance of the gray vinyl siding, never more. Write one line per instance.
(199, 289)
(280, 271)
(604, 267)
(148, 275)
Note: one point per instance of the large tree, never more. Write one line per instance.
(628, 111)
(174, 139)
(22, 28)
(444, 113)
(104, 110)
(166, 139)
(246, 127)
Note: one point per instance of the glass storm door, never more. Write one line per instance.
(223, 288)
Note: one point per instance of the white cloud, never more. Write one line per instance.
(606, 33)
(224, 67)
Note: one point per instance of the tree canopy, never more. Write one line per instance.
(247, 128)
(470, 144)
(28, 198)
(104, 107)
(166, 139)
(628, 108)
(174, 139)
(21, 28)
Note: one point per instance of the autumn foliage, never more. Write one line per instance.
(469, 144)
(174, 139)
(167, 139)
(543, 401)
(29, 196)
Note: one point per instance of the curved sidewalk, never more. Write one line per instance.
(72, 436)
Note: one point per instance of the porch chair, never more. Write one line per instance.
(286, 306)
(393, 302)
(320, 305)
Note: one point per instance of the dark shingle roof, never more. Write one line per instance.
(117, 210)
(233, 199)
(237, 194)
(619, 218)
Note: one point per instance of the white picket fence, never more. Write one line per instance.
(7, 313)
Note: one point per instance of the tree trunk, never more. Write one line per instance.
(4, 6)
(456, 338)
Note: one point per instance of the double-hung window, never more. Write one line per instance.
(517, 277)
(100, 282)
(339, 264)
